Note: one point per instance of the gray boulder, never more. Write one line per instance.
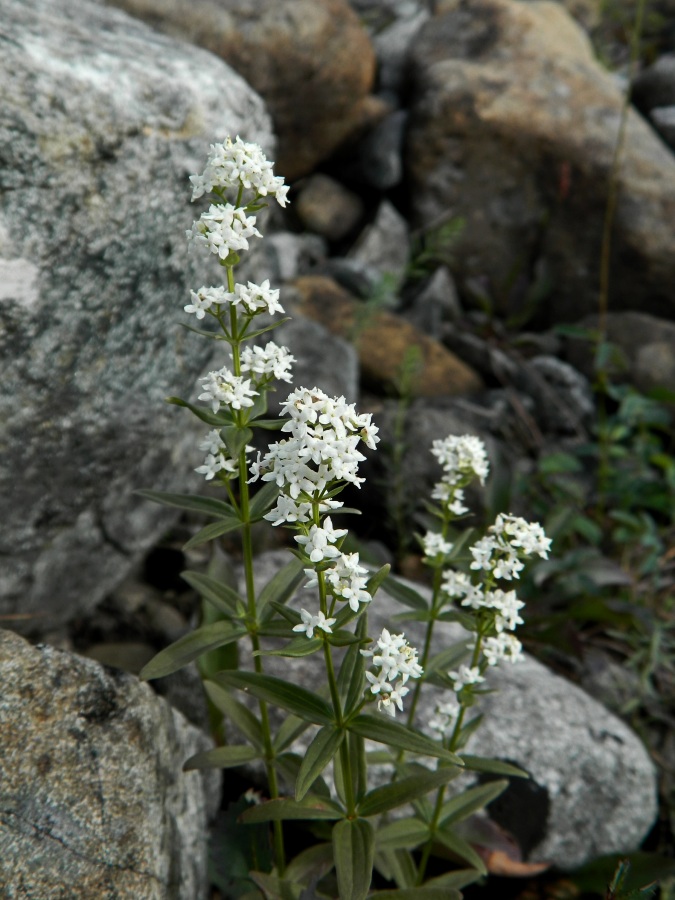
(93, 801)
(513, 128)
(103, 121)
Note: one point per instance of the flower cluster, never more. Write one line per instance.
(462, 458)
(225, 388)
(310, 622)
(223, 230)
(321, 450)
(217, 459)
(396, 661)
(508, 541)
(237, 163)
(271, 361)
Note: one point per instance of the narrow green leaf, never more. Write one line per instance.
(459, 878)
(188, 648)
(398, 866)
(320, 752)
(236, 438)
(237, 713)
(299, 701)
(375, 580)
(275, 324)
(259, 407)
(353, 851)
(403, 833)
(218, 594)
(351, 680)
(217, 420)
(461, 848)
(279, 810)
(493, 766)
(404, 593)
(214, 530)
(470, 801)
(315, 861)
(288, 766)
(282, 585)
(290, 729)
(268, 424)
(206, 505)
(297, 648)
(222, 757)
(263, 501)
(389, 796)
(387, 731)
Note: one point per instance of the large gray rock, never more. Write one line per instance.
(513, 128)
(93, 802)
(592, 787)
(310, 59)
(102, 121)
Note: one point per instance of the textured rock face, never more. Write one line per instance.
(513, 128)
(102, 121)
(93, 802)
(310, 59)
(383, 339)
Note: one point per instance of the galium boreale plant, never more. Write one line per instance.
(366, 682)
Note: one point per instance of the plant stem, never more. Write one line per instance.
(602, 374)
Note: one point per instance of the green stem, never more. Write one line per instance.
(605, 261)
(440, 796)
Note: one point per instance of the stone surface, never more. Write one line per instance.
(327, 208)
(383, 339)
(592, 788)
(513, 127)
(436, 301)
(93, 800)
(103, 120)
(655, 85)
(392, 45)
(310, 60)
(385, 244)
(663, 118)
(379, 156)
(646, 344)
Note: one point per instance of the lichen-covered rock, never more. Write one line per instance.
(513, 128)
(102, 122)
(93, 799)
(310, 60)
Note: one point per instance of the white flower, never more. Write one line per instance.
(288, 510)
(463, 456)
(466, 675)
(482, 552)
(270, 360)
(319, 542)
(503, 646)
(213, 443)
(310, 622)
(347, 579)
(389, 701)
(395, 657)
(508, 607)
(225, 387)
(451, 497)
(445, 716)
(434, 545)
(527, 537)
(257, 298)
(205, 298)
(223, 229)
(235, 163)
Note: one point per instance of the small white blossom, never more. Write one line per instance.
(318, 544)
(310, 622)
(288, 510)
(444, 717)
(235, 163)
(223, 229)
(347, 579)
(271, 360)
(527, 537)
(435, 545)
(503, 646)
(395, 657)
(225, 387)
(205, 299)
(466, 675)
(463, 456)
(257, 298)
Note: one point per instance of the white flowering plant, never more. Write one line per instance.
(368, 684)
